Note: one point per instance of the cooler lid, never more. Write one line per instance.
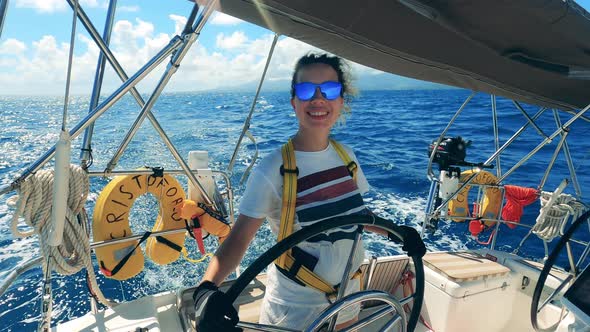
(463, 266)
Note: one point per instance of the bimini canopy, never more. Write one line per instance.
(530, 50)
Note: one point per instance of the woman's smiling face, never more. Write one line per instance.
(318, 112)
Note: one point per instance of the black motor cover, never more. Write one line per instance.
(451, 151)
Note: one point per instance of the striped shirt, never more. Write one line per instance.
(326, 194)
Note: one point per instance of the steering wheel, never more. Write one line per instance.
(545, 272)
(401, 234)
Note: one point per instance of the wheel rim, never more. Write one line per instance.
(547, 268)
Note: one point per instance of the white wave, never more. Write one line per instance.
(409, 210)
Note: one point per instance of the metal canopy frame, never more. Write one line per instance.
(177, 48)
(562, 130)
(3, 10)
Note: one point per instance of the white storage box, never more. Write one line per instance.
(465, 292)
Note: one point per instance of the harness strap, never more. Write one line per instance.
(295, 263)
(289, 171)
(169, 243)
(299, 267)
(300, 273)
(196, 233)
(122, 262)
(208, 210)
(350, 164)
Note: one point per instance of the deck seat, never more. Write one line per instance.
(464, 266)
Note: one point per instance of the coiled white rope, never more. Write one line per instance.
(35, 196)
(555, 211)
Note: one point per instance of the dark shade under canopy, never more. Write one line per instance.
(530, 50)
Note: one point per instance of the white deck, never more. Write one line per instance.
(494, 302)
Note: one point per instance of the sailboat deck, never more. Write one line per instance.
(449, 305)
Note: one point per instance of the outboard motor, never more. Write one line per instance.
(450, 152)
(449, 155)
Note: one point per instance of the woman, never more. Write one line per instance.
(325, 188)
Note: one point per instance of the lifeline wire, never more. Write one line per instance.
(247, 122)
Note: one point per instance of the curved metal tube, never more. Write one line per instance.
(444, 132)
(15, 273)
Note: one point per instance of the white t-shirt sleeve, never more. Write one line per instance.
(260, 197)
(361, 180)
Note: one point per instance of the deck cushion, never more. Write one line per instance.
(464, 266)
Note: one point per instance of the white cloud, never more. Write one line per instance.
(179, 23)
(42, 70)
(129, 41)
(50, 6)
(219, 18)
(12, 46)
(204, 70)
(237, 39)
(129, 9)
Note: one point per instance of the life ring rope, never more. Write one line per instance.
(197, 260)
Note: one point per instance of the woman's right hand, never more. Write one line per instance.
(213, 310)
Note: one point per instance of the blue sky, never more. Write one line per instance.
(35, 42)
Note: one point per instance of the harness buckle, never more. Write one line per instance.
(352, 166)
(283, 170)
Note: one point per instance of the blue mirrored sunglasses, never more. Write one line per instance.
(306, 90)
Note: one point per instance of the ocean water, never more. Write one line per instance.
(389, 130)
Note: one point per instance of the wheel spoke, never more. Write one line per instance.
(407, 299)
(555, 292)
(570, 258)
(369, 319)
(392, 322)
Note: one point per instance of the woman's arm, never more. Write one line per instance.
(374, 229)
(230, 252)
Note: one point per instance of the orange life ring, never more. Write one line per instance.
(111, 221)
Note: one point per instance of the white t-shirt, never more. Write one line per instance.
(325, 189)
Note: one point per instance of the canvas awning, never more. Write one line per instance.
(529, 50)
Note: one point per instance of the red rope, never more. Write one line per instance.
(517, 198)
(489, 239)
